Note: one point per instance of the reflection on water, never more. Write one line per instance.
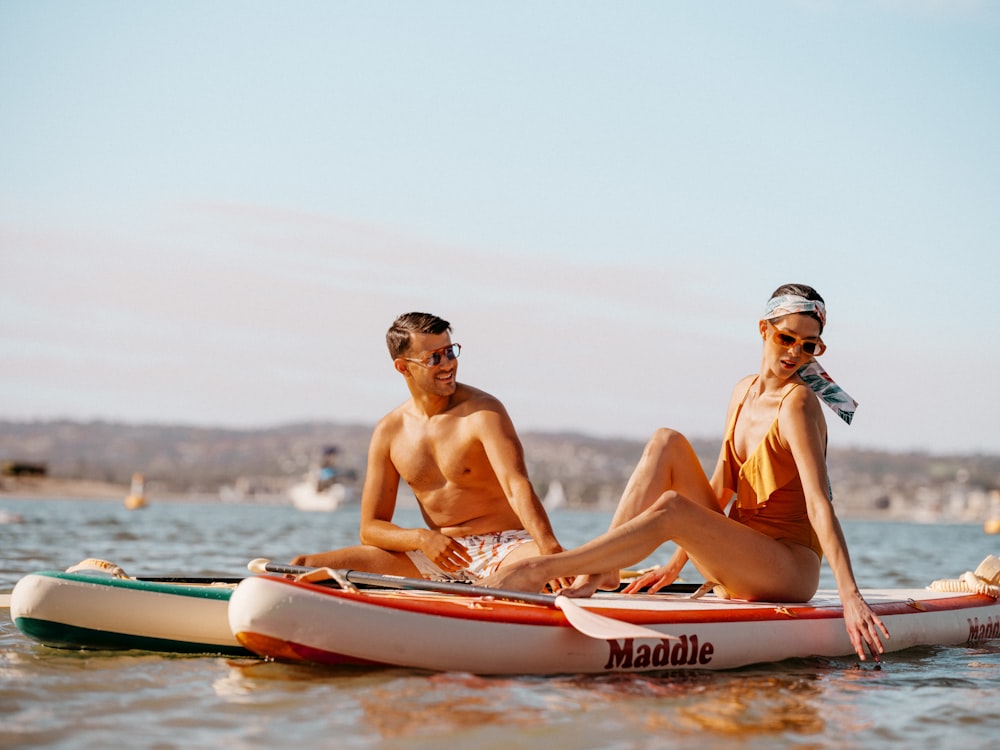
(760, 705)
(445, 704)
(66, 699)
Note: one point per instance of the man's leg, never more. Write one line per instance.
(362, 557)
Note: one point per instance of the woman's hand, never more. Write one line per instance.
(662, 576)
(587, 585)
(523, 575)
(864, 627)
(654, 579)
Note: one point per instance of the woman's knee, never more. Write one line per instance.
(666, 508)
(668, 447)
(666, 440)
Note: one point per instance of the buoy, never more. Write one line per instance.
(137, 494)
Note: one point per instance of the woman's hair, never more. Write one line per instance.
(397, 338)
(802, 290)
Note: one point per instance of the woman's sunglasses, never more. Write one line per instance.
(434, 358)
(786, 340)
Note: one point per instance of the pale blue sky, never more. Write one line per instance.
(211, 212)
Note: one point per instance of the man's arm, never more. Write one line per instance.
(506, 456)
(378, 497)
(378, 504)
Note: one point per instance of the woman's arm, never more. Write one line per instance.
(803, 427)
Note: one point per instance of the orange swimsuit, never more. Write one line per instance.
(769, 495)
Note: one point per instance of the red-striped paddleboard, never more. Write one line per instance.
(284, 619)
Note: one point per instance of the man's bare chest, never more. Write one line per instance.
(430, 458)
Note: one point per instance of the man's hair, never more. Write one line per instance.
(397, 338)
(802, 290)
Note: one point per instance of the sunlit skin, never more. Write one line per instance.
(669, 498)
(456, 448)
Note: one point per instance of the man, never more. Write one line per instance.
(456, 448)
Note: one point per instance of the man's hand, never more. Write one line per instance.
(445, 552)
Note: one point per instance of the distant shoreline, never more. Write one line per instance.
(52, 487)
(61, 488)
(57, 488)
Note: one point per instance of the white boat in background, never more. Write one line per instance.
(556, 496)
(323, 488)
(306, 497)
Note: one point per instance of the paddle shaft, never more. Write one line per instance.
(446, 587)
(421, 584)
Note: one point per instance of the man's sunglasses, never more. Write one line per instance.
(434, 358)
(786, 340)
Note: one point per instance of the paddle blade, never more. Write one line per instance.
(603, 628)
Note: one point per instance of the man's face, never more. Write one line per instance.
(426, 349)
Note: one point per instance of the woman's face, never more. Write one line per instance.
(784, 339)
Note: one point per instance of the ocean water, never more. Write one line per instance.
(937, 697)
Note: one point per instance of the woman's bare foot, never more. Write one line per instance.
(524, 575)
(587, 585)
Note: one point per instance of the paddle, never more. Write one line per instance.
(589, 623)
(4, 601)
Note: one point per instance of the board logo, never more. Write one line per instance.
(988, 630)
(676, 652)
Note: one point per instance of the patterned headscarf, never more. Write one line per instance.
(787, 304)
(812, 372)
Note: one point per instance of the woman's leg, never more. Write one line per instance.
(668, 462)
(748, 563)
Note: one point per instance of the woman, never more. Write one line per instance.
(773, 459)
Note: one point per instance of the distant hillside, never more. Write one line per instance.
(591, 471)
(176, 457)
